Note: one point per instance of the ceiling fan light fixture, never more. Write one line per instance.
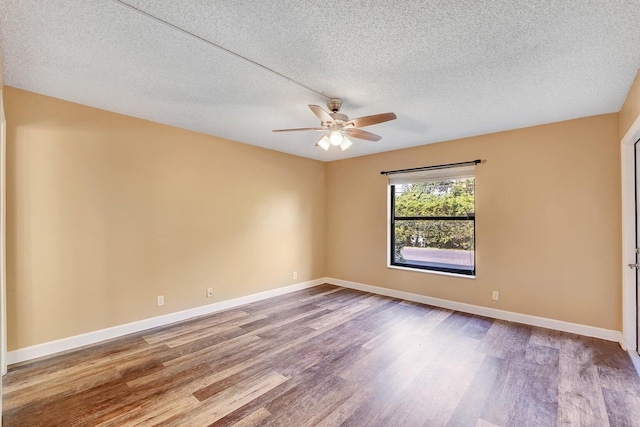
(336, 125)
(324, 143)
(336, 138)
(346, 143)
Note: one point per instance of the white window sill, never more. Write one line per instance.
(441, 273)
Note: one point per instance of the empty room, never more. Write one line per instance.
(290, 213)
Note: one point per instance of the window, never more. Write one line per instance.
(433, 219)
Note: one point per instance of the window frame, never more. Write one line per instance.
(425, 268)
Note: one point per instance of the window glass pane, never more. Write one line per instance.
(442, 244)
(434, 225)
(453, 197)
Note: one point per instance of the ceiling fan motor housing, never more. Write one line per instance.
(339, 118)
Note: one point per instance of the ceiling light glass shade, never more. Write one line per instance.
(346, 143)
(324, 143)
(335, 138)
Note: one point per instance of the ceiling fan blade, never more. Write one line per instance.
(322, 115)
(296, 130)
(371, 120)
(362, 134)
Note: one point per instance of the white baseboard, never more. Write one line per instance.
(635, 359)
(559, 325)
(64, 344)
(52, 347)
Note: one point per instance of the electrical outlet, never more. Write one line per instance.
(160, 300)
(209, 292)
(495, 295)
(295, 275)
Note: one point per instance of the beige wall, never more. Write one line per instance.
(106, 212)
(548, 221)
(630, 109)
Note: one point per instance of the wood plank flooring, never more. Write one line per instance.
(330, 356)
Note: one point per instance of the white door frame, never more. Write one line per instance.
(3, 264)
(3, 253)
(629, 298)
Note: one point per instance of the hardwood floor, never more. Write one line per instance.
(331, 356)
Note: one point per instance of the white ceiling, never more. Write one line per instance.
(448, 69)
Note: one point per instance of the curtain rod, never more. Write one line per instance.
(424, 168)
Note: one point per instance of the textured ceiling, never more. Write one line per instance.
(447, 69)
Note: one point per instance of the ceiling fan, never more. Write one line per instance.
(339, 127)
